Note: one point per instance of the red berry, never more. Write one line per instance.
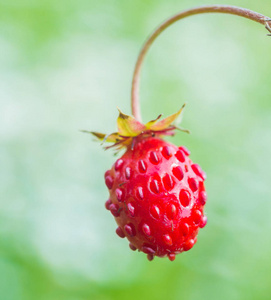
(157, 197)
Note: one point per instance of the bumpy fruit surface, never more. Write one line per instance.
(157, 197)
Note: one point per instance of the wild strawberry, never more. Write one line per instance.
(156, 193)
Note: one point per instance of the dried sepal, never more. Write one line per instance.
(129, 128)
(165, 123)
(128, 125)
(152, 122)
(110, 138)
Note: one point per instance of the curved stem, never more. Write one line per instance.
(225, 9)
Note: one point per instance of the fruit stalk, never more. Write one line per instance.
(225, 9)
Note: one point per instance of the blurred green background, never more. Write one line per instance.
(66, 66)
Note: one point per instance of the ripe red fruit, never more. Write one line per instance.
(157, 197)
(157, 194)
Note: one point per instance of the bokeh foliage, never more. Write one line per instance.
(67, 65)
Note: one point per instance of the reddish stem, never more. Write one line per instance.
(225, 9)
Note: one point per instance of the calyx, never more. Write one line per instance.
(129, 128)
